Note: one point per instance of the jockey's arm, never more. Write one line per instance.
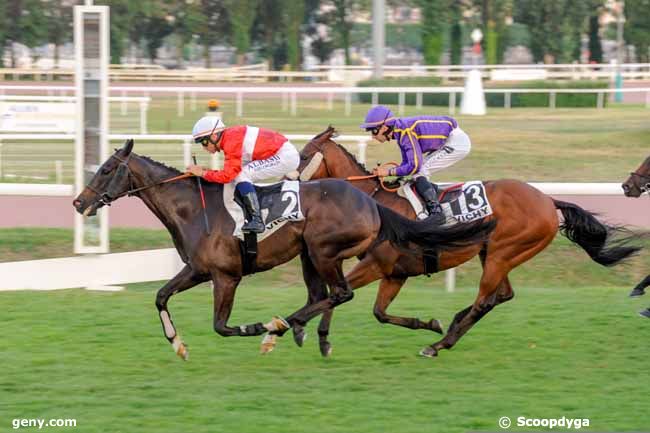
(411, 156)
(231, 168)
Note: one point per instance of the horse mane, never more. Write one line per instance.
(161, 165)
(331, 133)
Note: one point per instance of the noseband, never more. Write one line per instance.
(110, 195)
(645, 187)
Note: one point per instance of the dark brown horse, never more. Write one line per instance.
(527, 223)
(340, 222)
(635, 185)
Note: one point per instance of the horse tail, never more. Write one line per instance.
(400, 231)
(582, 227)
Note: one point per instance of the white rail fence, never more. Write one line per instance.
(153, 265)
(339, 73)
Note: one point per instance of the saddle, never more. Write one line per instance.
(461, 202)
(279, 204)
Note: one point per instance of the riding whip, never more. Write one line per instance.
(205, 211)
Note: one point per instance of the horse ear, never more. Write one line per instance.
(128, 147)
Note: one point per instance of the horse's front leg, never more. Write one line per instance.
(223, 294)
(185, 279)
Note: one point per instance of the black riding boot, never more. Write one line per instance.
(254, 223)
(429, 193)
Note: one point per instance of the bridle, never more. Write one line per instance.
(111, 194)
(645, 178)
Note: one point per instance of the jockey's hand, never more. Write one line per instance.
(196, 170)
(381, 171)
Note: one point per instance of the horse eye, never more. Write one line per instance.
(105, 171)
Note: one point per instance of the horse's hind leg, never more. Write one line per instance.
(388, 290)
(639, 290)
(185, 279)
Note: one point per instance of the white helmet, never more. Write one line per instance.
(207, 126)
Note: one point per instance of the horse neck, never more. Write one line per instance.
(341, 166)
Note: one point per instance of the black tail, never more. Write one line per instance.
(582, 227)
(432, 238)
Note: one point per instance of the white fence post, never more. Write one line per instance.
(551, 100)
(450, 280)
(375, 98)
(507, 103)
(418, 100)
(361, 151)
(187, 152)
(240, 104)
(452, 103)
(600, 100)
(143, 117)
(181, 104)
(293, 103)
(400, 103)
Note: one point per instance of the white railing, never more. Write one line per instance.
(340, 73)
(289, 95)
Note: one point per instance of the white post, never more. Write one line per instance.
(58, 169)
(400, 103)
(181, 104)
(293, 103)
(348, 104)
(551, 100)
(507, 103)
(240, 104)
(143, 117)
(600, 100)
(452, 103)
(124, 104)
(375, 98)
(361, 151)
(418, 100)
(285, 101)
(187, 152)
(378, 37)
(450, 280)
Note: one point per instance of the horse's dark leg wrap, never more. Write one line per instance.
(639, 290)
(251, 330)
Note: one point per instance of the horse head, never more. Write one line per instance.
(639, 181)
(322, 157)
(110, 182)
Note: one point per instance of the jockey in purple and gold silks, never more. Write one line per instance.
(428, 144)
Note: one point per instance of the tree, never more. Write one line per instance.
(339, 18)
(25, 23)
(637, 27)
(456, 35)
(58, 15)
(595, 48)
(433, 19)
(295, 15)
(268, 34)
(213, 26)
(242, 14)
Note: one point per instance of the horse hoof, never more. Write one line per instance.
(429, 352)
(637, 293)
(299, 336)
(268, 344)
(645, 313)
(436, 326)
(278, 325)
(325, 349)
(181, 349)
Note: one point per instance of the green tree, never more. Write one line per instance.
(433, 18)
(242, 15)
(213, 25)
(339, 19)
(637, 27)
(25, 22)
(595, 48)
(58, 16)
(456, 33)
(294, 15)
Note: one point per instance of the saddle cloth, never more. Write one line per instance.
(279, 203)
(461, 202)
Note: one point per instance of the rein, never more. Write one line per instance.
(108, 196)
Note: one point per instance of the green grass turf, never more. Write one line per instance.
(101, 359)
(540, 144)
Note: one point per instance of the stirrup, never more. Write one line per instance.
(254, 225)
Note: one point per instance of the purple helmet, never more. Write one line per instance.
(377, 116)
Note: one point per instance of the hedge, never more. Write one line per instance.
(492, 99)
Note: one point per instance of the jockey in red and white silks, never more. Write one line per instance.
(251, 154)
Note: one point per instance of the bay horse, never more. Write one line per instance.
(636, 184)
(339, 222)
(527, 223)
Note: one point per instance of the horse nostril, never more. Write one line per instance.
(625, 188)
(76, 203)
